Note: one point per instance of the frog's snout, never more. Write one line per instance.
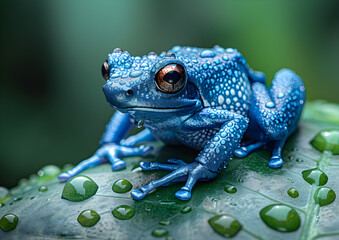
(117, 96)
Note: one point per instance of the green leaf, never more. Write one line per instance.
(233, 202)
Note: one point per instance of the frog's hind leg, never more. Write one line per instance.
(276, 111)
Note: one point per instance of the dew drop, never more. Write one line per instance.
(135, 74)
(123, 212)
(207, 54)
(122, 186)
(324, 196)
(225, 225)
(270, 105)
(8, 222)
(280, 217)
(327, 140)
(293, 193)
(43, 189)
(315, 176)
(88, 218)
(4, 194)
(186, 209)
(159, 232)
(240, 180)
(165, 222)
(48, 173)
(79, 188)
(230, 188)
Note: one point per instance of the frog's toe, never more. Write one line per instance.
(241, 152)
(146, 166)
(118, 164)
(183, 194)
(137, 194)
(275, 162)
(63, 177)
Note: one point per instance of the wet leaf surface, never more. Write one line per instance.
(160, 214)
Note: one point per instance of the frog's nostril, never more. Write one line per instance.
(129, 92)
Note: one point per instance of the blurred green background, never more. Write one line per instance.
(53, 110)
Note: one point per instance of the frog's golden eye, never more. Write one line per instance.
(171, 78)
(105, 70)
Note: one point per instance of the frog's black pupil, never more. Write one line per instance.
(172, 77)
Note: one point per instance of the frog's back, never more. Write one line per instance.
(221, 76)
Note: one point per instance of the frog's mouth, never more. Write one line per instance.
(157, 109)
(171, 109)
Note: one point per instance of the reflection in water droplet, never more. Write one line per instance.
(327, 140)
(8, 222)
(293, 193)
(280, 217)
(1, 205)
(165, 222)
(48, 173)
(159, 232)
(225, 225)
(88, 218)
(186, 209)
(324, 196)
(122, 186)
(79, 188)
(240, 180)
(315, 176)
(123, 212)
(43, 189)
(230, 188)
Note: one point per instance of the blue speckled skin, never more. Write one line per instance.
(224, 109)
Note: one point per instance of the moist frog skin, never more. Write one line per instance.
(206, 99)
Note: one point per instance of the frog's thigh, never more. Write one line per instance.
(277, 110)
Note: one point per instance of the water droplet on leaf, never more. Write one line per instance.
(79, 188)
(165, 222)
(280, 217)
(327, 140)
(186, 209)
(315, 176)
(43, 189)
(324, 196)
(230, 188)
(88, 218)
(159, 232)
(293, 193)
(122, 186)
(225, 225)
(8, 222)
(4, 194)
(123, 212)
(48, 173)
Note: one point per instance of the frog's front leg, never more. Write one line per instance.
(274, 114)
(111, 149)
(207, 165)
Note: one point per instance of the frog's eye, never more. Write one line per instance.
(171, 78)
(105, 70)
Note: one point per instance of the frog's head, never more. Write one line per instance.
(151, 84)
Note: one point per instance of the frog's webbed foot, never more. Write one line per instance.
(180, 170)
(275, 162)
(107, 153)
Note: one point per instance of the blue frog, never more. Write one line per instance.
(206, 99)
